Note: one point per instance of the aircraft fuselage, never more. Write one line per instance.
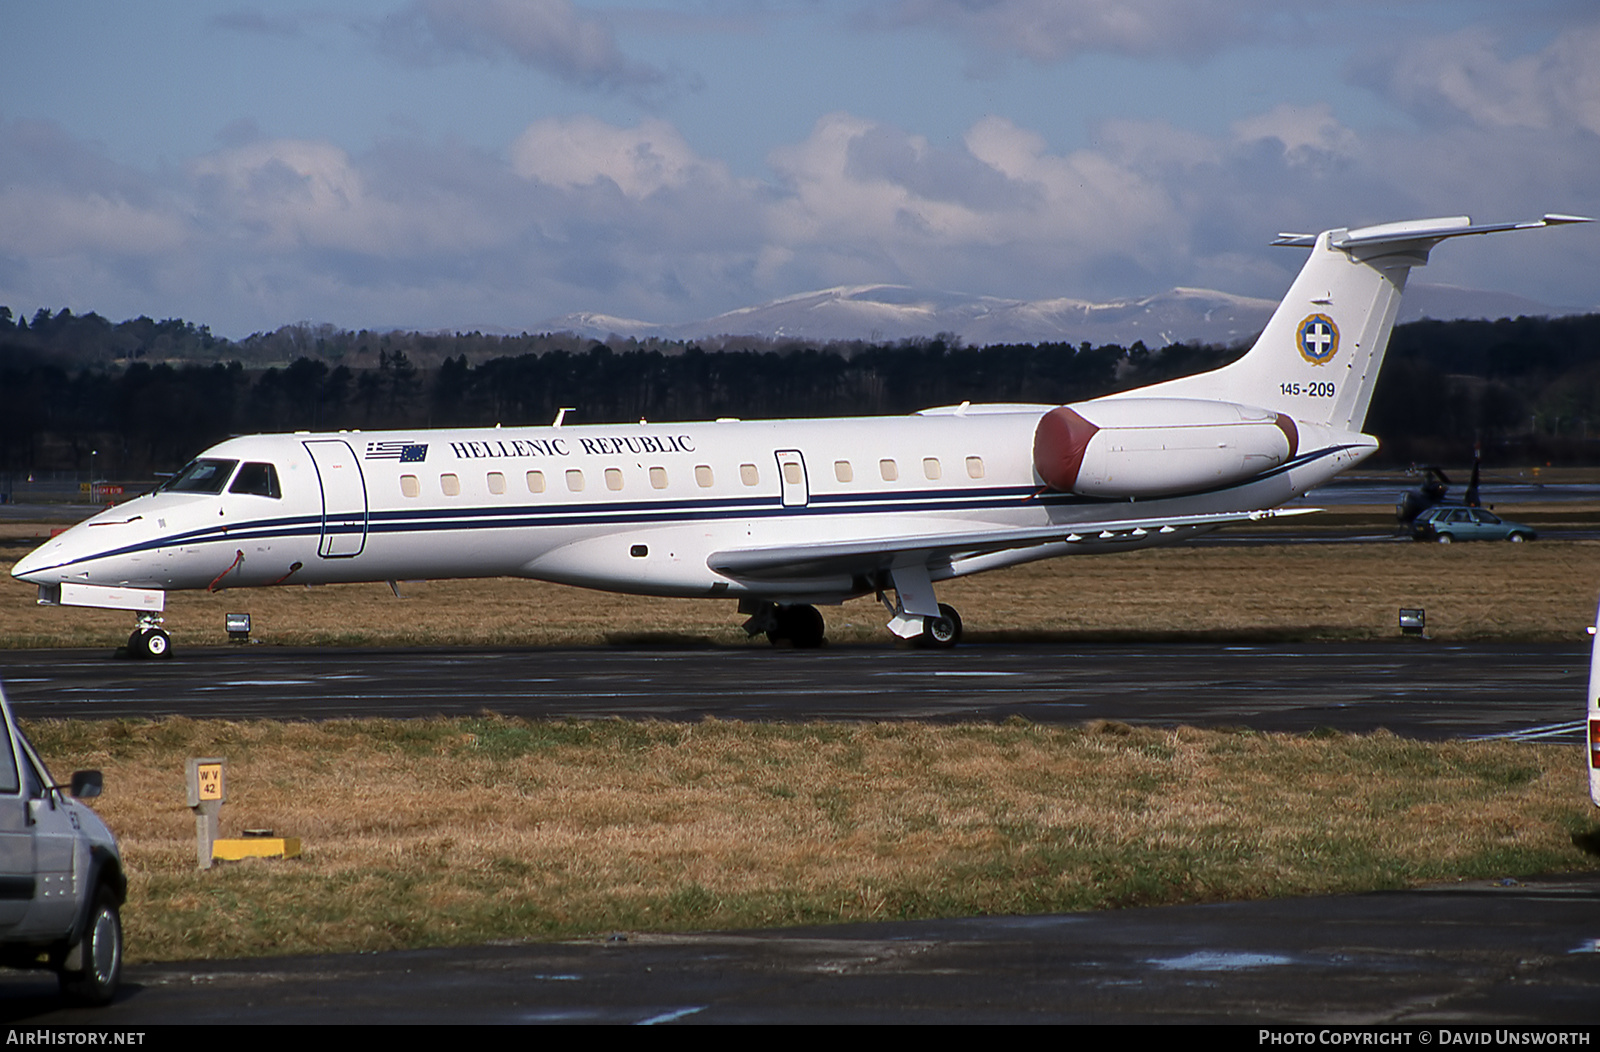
(638, 508)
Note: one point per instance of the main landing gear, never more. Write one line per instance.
(915, 615)
(932, 631)
(798, 624)
(942, 632)
(149, 640)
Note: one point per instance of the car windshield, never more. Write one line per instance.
(200, 476)
(31, 756)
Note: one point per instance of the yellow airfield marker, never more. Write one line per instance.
(233, 849)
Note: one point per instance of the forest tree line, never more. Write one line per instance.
(145, 396)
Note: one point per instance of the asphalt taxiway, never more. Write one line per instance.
(1414, 688)
(1510, 953)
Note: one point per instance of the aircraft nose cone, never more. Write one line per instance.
(29, 566)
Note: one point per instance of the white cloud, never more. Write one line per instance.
(1151, 146)
(1051, 30)
(286, 194)
(252, 21)
(57, 222)
(947, 216)
(555, 36)
(1467, 75)
(583, 150)
(579, 214)
(1307, 133)
(77, 229)
(290, 192)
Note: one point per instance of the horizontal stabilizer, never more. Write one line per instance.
(1422, 230)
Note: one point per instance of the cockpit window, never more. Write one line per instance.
(259, 479)
(201, 476)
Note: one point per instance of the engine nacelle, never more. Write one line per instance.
(1154, 447)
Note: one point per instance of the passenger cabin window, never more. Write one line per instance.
(842, 472)
(575, 480)
(451, 484)
(974, 467)
(703, 476)
(889, 470)
(749, 475)
(613, 478)
(200, 476)
(658, 478)
(260, 480)
(931, 469)
(497, 482)
(792, 473)
(409, 486)
(535, 482)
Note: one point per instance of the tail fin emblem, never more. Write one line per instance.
(1319, 339)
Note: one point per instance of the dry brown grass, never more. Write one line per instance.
(1540, 591)
(433, 832)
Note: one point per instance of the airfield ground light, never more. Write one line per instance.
(1414, 622)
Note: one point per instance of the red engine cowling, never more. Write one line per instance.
(1153, 447)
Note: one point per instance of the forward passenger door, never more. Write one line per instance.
(792, 478)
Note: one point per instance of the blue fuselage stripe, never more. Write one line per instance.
(644, 513)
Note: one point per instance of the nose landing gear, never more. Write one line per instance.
(149, 640)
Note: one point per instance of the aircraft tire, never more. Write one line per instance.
(801, 625)
(149, 643)
(942, 632)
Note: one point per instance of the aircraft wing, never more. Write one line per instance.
(825, 558)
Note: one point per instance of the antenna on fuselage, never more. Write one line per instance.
(561, 414)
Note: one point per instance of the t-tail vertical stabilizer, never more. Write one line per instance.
(1318, 358)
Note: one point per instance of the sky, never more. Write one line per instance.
(492, 164)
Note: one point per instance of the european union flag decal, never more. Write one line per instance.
(404, 452)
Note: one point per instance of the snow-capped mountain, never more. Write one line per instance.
(886, 313)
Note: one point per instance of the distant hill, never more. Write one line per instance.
(878, 313)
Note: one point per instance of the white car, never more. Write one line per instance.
(61, 879)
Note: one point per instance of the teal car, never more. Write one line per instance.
(1448, 523)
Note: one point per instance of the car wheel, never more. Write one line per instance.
(1516, 538)
(102, 955)
(1445, 538)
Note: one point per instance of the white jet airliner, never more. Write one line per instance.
(781, 515)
